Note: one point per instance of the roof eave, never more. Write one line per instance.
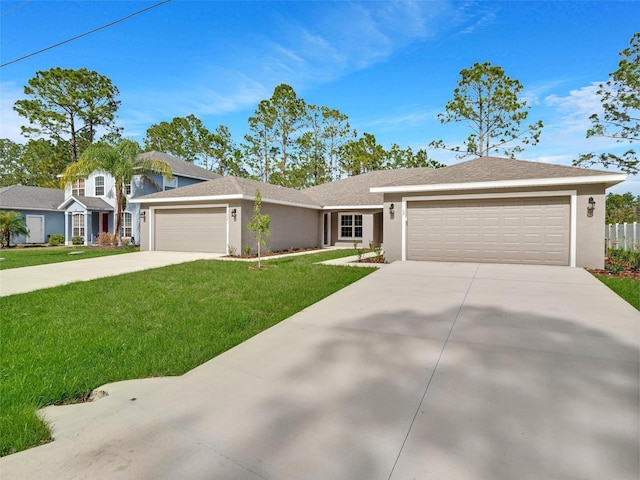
(220, 198)
(608, 180)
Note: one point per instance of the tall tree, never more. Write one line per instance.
(38, 163)
(69, 106)
(488, 101)
(226, 157)
(336, 132)
(259, 147)
(406, 158)
(122, 161)
(622, 208)
(184, 137)
(363, 155)
(620, 120)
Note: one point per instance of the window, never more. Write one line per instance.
(99, 186)
(127, 188)
(351, 225)
(125, 229)
(77, 187)
(78, 225)
(170, 183)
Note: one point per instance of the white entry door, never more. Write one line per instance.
(35, 225)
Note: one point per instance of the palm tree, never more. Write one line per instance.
(122, 161)
(11, 223)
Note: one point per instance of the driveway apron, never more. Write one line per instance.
(420, 370)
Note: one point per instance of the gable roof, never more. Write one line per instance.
(367, 189)
(182, 168)
(227, 188)
(495, 172)
(89, 203)
(22, 197)
(355, 190)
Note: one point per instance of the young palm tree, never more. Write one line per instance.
(11, 223)
(122, 161)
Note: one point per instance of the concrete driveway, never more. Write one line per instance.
(420, 370)
(27, 279)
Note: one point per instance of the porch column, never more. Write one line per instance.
(86, 227)
(66, 228)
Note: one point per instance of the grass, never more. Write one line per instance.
(27, 257)
(59, 344)
(627, 288)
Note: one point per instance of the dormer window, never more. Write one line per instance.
(170, 183)
(77, 187)
(99, 186)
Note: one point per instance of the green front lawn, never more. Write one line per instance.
(59, 344)
(627, 288)
(27, 257)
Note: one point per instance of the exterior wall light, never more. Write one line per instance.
(143, 215)
(591, 207)
(234, 213)
(391, 209)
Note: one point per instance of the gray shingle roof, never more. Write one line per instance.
(355, 190)
(30, 198)
(182, 168)
(92, 203)
(235, 186)
(492, 169)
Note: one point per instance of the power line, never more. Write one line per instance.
(14, 8)
(85, 34)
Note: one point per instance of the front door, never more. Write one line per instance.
(35, 225)
(104, 222)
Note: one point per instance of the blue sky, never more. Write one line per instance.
(390, 66)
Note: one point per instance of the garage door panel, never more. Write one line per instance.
(511, 230)
(191, 230)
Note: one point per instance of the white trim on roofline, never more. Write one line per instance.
(217, 198)
(351, 207)
(610, 180)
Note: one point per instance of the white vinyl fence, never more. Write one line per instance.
(622, 235)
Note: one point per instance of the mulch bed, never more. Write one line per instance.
(635, 274)
(279, 252)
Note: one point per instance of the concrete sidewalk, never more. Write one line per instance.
(27, 279)
(420, 370)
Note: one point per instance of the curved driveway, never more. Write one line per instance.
(419, 370)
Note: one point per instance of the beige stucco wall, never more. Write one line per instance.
(589, 230)
(371, 228)
(291, 227)
(144, 230)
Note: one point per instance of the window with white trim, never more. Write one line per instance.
(78, 224)
(127, 188)
(77, 187)
(99, 186)
(351, 226)
(126, 227)
(170, 183)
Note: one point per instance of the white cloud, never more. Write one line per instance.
(10, 121)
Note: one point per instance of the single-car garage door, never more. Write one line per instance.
(191, 230)
(505, 230)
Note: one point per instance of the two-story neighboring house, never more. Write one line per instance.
(90, 204)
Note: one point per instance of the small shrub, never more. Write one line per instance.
(247, 250)
(56, 239)
(77, 240)
(231, 250)
(105, 238)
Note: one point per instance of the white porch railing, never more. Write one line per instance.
(625, 236)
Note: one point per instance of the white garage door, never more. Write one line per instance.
(514, 230)
(191, 230)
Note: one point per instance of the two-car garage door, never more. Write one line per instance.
(190, 229)
(501, 230)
